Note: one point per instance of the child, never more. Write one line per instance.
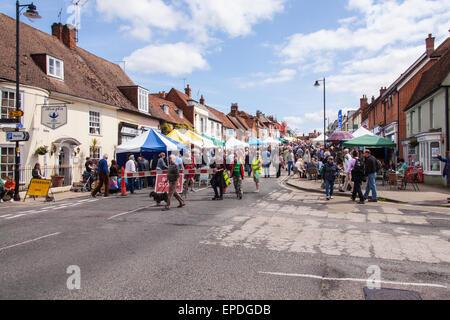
(8, 189)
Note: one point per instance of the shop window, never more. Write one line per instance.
(435, 164)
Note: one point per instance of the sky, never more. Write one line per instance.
(262, 54)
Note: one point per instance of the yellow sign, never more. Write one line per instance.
(14, 114)
(39, 188)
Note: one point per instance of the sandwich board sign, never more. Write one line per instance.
(39, 188)
(162, 184)
(54, 116)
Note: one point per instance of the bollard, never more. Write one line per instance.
(122, 184)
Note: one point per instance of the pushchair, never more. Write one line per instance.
(88, 180)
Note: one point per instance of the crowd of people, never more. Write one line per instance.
(350, 168)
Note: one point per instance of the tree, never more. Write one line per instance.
(166, 128)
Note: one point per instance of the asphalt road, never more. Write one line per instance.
(278, 244)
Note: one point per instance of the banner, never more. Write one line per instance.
(340, 120)
(162, 184)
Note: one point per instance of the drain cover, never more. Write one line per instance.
(390, 294)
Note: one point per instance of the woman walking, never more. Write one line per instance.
(329, 173)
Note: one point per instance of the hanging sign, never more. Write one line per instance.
(54, 116)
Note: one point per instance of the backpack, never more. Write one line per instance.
(358, 168)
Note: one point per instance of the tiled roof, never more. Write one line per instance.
(223, 118)
(431, 80)
(237, 124)
(155, 103)
(85, 75)
(442, 49)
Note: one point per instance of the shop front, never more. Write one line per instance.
(429, 147)
(390, 132)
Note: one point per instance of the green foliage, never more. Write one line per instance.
(183, 126)
(42, 150)
(166, 128)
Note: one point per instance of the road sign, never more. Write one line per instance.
(17, 136)
(14, 114)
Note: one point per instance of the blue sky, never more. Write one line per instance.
(263, 54)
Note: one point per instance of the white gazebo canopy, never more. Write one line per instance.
(362, 132)
(319, 139)
(233, 143)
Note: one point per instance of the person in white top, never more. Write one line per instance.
(348, 173)
(130, 167)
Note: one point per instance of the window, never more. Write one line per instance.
(431, 114)
(9, 102)
(411, 126)
(143, 100)
(55, 67)
(218, 131)
(95, 154)
(94, 122)
(435, 149)
(419, 119)
(7, 161)
(180, 113)
(201, 125)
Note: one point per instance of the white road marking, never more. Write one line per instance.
(128, 212)
(311, 276)
(28, 241)
(6, 215)
(16, 216)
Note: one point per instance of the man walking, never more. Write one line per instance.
(370, 166)
(256, 170)
(356, 168)
(329, 173)
(290, 161)
(130, 167)
(237, 172)
(173, 176)
(103, 175)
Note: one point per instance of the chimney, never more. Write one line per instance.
(162, 95)
(69, 36)
(188, 91)
(373, 99)
(382, 90)
(429, 45)
(57, 30)
(202, 100)
(363, 102)
(234, 108)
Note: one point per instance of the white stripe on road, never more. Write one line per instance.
(311, 276)
(28, 241)
(16, 216)
(128, 212)
(6, 215)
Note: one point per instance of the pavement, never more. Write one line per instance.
(282, 243)
(426, 196)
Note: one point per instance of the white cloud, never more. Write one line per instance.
(373, 46)
(201, 20)
(174, 59)
(232, 17)
(143, 15)
(264, 78)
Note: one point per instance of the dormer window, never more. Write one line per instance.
(165, 108)
(143, 100)
(55, 67)
(180, 113)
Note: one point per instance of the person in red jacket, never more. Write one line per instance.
(237, 172)
(9, 189)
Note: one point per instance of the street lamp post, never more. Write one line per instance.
(32, 14)
(317, 84)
